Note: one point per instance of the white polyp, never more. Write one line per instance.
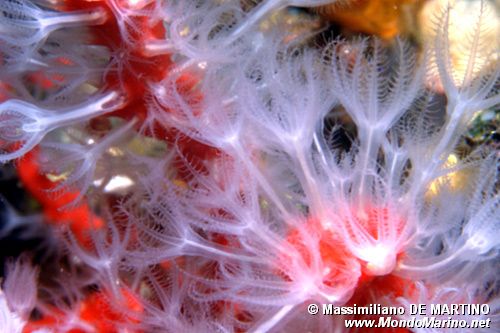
(55, 22)
(261, 11)
(274, 320)
(478, 242)
(137, 4)
(38, 122)
(437, 266)
(158, 47)
(47, 120)
(9, 321)
(380, 259)
(267, 7)
(118, 183)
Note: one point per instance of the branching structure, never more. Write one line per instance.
(195, 180)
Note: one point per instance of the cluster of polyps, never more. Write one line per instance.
(191, 166)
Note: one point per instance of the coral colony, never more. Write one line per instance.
(200, 167)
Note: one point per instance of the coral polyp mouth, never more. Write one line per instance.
(380, 260)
